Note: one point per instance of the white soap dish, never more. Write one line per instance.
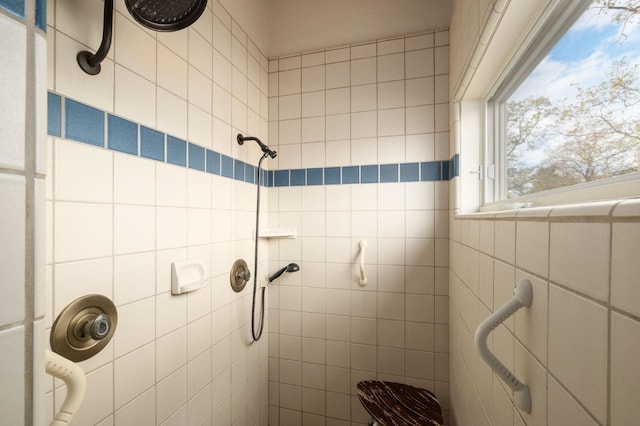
(187, 275)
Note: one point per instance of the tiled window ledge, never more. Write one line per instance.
(629, 208)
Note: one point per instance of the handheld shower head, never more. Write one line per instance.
(292, 267)
(271, 153)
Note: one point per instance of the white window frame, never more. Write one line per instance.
(554, 22)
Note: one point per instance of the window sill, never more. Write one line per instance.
(592, 210)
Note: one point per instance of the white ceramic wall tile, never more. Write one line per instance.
(391, 46)
(363, 124)
(289, 107)
(98, 402)
(391, 67)
(134, 229)
(441, 88)
(12, 369)
(363, 71)
(83, 231)
(420, 119)
(134, 180)
(313, 78)
(580, 328)
(338, 127)
(130, 334)
(625, 335)
(134, 277)
(135, 97)
(338, 74)
(13, 86)
(337, 101)
(441, 55)
(313, 104)
(171, 394)
(531, 323)
(391, 122)
(532, 242)
(289, 82)
(171, 353)
(625, 268)
(172, 114)
(12, 250)
(441, 117)
(422, 41)
(577, 253)
(133, 374)
(505, 232)
(75, 83)
(563, 409)
(134, 48)
(137, 411)
(200, 53)
(290, 132)
(311, 59)
(239, 85)
(420, 63)
(83, 173)
(199, 92)
(391, 94)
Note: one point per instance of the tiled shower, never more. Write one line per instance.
(142, 168)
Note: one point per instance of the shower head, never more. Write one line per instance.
(158, 15)
(162, 15)
(292, 267)
(265, 149)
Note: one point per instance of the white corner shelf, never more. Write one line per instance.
(278, 233)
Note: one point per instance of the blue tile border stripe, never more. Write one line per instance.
(86, 124)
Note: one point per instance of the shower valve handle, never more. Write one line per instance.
(99, 328)
(244, 275)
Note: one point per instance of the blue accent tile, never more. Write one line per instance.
(351, 174)
(388, 173)
(14, 6)
(270, 179)
(298, 177)
(83, 123)
(41, 15)
(314, 176)
(409, 172)
(196, 157)
(332, 176)
(445, 170)
(213, 162)
(430, 171)
(369, 174)
(456, 165)
(264, 179)
(250, 173)
(227, 166)
(176, 151)
(282, 178)
(238, 169)
(54, 114)
(151, 143)
(122, 135)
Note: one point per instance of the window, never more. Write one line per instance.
(568, 111)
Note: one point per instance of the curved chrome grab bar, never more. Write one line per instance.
(522, 296)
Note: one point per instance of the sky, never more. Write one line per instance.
(581, 57)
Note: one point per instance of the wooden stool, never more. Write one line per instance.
(396, 404)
